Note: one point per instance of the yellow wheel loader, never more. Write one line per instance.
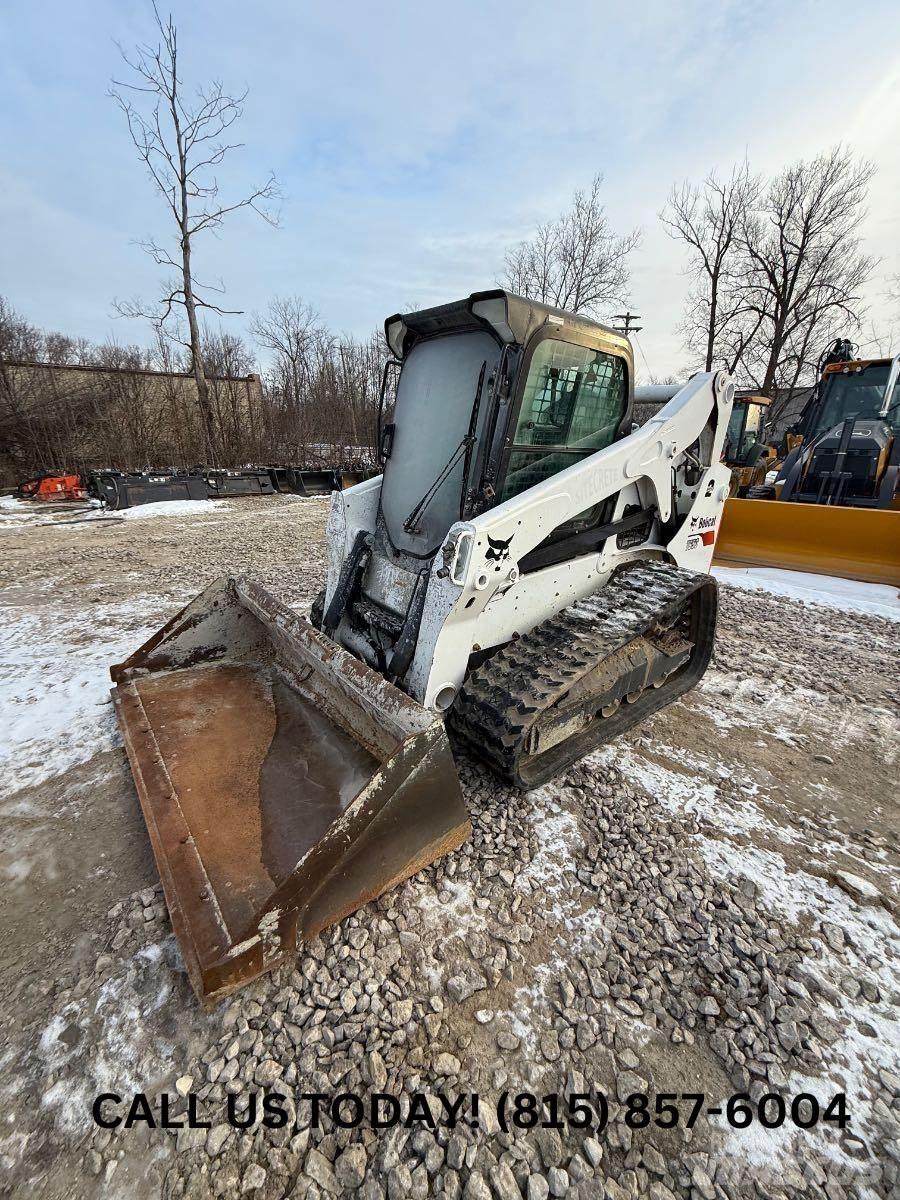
(833, 504)
(526, 579)
(744, 453)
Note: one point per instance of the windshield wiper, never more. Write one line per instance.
(411, 524)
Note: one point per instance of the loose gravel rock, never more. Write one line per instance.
(664, 918)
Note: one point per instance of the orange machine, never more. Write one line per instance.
(59, 486)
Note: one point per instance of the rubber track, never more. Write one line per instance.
(503, 698)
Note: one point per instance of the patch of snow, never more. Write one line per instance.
(848, 595)
(560, 844)
(760, 703)
(681, 788)
(871, 953)
(163, 508)
(111, 1044)
(16, 514)
(531, 1011)
(54, 684)
(12, 504)
(559, 854)
(455, 917)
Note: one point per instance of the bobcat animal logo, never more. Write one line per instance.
(498, 550)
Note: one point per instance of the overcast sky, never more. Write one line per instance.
(414, 142)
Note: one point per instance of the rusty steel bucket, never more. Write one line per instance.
(283, 783)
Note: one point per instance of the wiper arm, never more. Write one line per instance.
(470, 439)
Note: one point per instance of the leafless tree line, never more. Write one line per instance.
(777, 266)
(88, 405)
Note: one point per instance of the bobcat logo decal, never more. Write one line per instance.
(498, 550)
(699, 523)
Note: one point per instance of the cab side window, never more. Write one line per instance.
(572, 405)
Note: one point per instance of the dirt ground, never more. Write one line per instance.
(708, 905)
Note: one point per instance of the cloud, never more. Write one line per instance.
(414, 143)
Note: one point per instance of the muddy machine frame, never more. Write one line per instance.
(290, 770)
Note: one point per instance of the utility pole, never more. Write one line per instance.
(627, 318)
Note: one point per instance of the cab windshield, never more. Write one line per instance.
(432, 412)
(743, 432)
(857, 394)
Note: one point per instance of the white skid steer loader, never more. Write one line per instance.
(527, 573)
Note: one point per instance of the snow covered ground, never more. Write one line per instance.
(166, 508)
(875, 599)
(19, 514)
(719, 831)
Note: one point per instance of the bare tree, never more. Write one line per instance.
(803, 269)
(19, 339)
(291, 330)
(778, 266)
(229, 362)
(575, 262)
(322, 390)
(709, 219)
(182, 142)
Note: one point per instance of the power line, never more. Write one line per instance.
(643, 356)
(626, 318)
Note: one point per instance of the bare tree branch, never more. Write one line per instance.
(708, 219)
(778, 267)
(575, 262)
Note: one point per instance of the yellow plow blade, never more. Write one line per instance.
(854, 543)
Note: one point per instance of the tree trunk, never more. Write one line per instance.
(206, 421)
(351, 400)
(711, 331)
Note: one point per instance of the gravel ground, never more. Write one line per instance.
(707, 906)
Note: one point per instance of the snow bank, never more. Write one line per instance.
(849, 595)
(14, 511)
(166, 508)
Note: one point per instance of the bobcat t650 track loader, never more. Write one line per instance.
(528, 574)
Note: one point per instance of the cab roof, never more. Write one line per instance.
(510, 318)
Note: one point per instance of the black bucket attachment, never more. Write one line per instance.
(120, 489)
(283, 782)
(250, 481)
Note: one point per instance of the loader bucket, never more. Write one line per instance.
(855, 543)
(283, 783)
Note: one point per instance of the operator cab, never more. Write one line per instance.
(495, 394)
(492, 394)
(853, 390)
(743, 437)
(850, 449)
